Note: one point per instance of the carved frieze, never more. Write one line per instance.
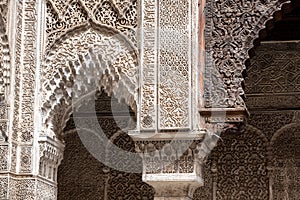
(25, 63)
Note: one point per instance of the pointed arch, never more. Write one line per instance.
(284, 150)
(82, 61)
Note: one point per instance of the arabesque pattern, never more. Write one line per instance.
(62, 16)
(231, 27)
(82, 62)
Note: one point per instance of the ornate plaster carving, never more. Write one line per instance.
(285, 160)
(4, 187)
(231, 27)
(4, 71)
(50, 156)
(4, 52)
(62, 16)
(237, 167)
(172, 167)
(81, 62)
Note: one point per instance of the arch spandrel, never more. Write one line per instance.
(62, 16)
(82, 61)
(231, 28)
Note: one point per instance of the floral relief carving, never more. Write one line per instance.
(65, 15)
(231, 27)
(174, 70)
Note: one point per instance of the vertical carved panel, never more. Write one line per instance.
(18, 52)
(3, 157)
(27, 66)
(25, 163)
(174, 64)
(148, 65)
(4, 50)
(3, 187)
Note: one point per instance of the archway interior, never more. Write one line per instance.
(81, 175)
(244, 159)
(237, 167)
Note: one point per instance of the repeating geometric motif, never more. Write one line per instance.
(275, 69)
(174, 68)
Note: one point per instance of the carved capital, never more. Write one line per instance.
(51, 154)
(172, 163)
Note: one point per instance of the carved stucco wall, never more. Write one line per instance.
(262, 161)
(257, 162)
(82, 176)
(231, 27)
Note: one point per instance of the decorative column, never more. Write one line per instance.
(51, 154)
(172, 166)
(20, 145)
(168, 136)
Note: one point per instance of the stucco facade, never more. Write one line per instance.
(126, 99)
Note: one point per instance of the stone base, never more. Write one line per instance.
(174, 190)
